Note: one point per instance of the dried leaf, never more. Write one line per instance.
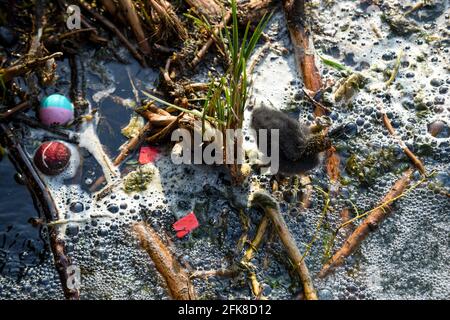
(134, 127)
(349, 87)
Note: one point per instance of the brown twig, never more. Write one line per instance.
(112, 9)
(270, 207)
(7, 74)
(165, 131)
(132, 144)
(249, 254)
(303, 48)
(130, 13)
(177, 279)
(14, 110)
(305, 60)
(373, 220)
(111, 27)
(254, 10)
(45, 205)
(202, 52)
(414, 159)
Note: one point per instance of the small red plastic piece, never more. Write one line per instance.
(186, 225)
(147, 155)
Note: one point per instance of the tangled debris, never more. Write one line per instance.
(376, 82)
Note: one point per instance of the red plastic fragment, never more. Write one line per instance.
(147, 155)
(186, 225)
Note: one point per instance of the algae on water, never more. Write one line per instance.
(139, 179)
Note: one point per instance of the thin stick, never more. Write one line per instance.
(14, 110)
(109, 25)
(373, 220)
(46, 206)
(177, 279)
(256, 242)
(270, 207)
(249, 254)
(414, 159)
(303, 47)
(132, 144)
(133, 19)
(8, 74)
(202, 52)
(167, 13)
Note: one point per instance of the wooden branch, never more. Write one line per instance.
(130, 13)
(7, 74)
(165, 131)
(249, 254)
(371, 223)
(305, 59)
(177, 279)
(14, 110)
(45, 205)
(332, 165)
(303, 47)
(205, 274)
(256, 242)
(132, 144)
(113, 10)
(270, 207)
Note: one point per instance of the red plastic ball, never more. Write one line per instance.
(52, 157)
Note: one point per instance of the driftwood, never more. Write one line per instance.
(305, 60)
(177, 279)
(270, 207)
(45, 205)
(373, 220)
(303, 47)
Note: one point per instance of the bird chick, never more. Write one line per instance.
(298, 148)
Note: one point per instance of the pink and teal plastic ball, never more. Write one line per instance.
(56, 109)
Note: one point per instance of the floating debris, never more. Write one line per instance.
(134, 127)
(185, 225)
(348, 87)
